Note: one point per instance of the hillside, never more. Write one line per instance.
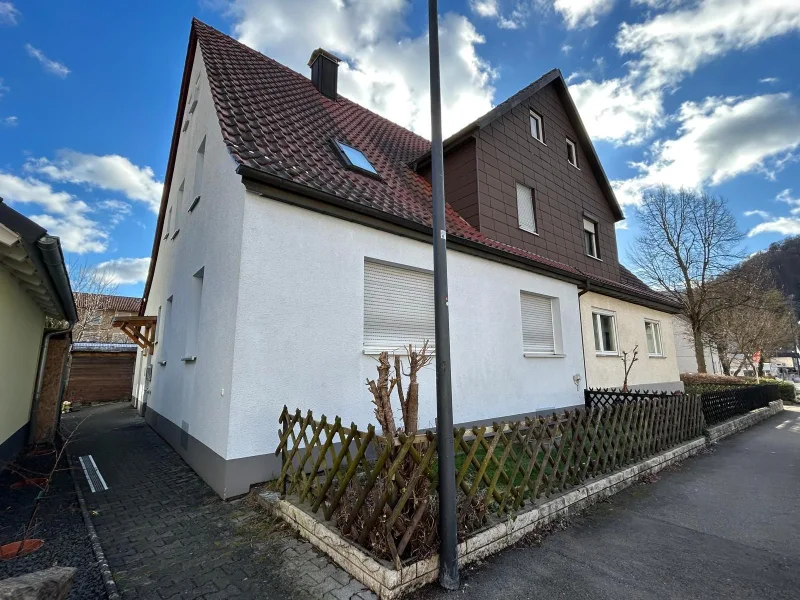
(782, 260)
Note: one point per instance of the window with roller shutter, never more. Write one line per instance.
(538, 333)
(398, 307)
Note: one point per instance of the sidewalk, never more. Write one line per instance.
(167, 535)
(723, 525)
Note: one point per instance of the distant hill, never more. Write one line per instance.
(782, 260)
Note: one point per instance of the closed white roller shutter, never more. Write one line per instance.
(398, 306)
(537, 324)
(525, 210)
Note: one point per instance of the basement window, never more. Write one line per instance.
(354, 159)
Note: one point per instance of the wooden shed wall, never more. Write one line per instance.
(100, 377)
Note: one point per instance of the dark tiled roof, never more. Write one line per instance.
(107, 302)
(275, 122)
(631, 283)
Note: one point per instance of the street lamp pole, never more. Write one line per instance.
(448, 534)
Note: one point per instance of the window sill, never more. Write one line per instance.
(529, 231)
(542, 355)
(399, 350)
(540, 141)
(595, 258)
(174, 235)
(607, 354)
(574, 165)
(656, 356)
(193, 205)
(189, 359)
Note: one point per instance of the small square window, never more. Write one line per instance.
(526, 213)
(572, 153)
(537, 126)
(590, 238)
(354, 159)
(605, 332)
(652, 330)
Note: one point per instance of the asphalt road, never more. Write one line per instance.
(722, 525)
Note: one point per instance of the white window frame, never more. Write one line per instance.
(555, 315)
(591, 227)
(370, 343)
(537, 118)
(597, 332)
(571, 146)
(658, 338)
(522, 212)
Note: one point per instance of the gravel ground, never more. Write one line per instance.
(58, 522)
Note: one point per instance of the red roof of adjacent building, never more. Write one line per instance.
(277, 124)
(107, 302)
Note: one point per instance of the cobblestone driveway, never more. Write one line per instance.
(167, 535)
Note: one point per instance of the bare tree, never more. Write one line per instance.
(634, 356)
(687, 240)
(94, 284)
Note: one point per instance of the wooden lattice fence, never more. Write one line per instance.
(383, 495)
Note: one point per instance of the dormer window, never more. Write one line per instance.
(537, 126)
(354, 159)
(572, 153)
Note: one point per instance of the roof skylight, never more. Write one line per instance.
(354, 158)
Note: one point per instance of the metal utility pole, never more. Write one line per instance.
(448, 533)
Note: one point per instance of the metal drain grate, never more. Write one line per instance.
(92, 473)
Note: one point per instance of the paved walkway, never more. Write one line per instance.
(723, 525)
(167, 535)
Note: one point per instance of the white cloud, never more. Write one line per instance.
(110, 172)
(782, 225)
(10, 121)
(673, 44)
(614, 110)
(566, 48)
(484, 8)
(667, 47)
(125, 270)
(786, 197)
(32, 191)
(78, 233)
(756, 213)
(117, 210)
(3, 88)
(769, 80)
(55, 67)
(66, 215)
(717, 140)
(582, 13)
(8, 13)
(383, 68)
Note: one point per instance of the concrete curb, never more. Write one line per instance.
(722, 430)
(108, 579)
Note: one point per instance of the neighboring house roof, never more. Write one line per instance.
(102, 347)
(36, 261)
(107, 302)
(278, 128)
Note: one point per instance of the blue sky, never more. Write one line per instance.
(700, 93)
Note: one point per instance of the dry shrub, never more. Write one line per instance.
(424, 540)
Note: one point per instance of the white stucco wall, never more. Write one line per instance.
(608, 371)
(199, 393)
(302, 286)
(21, 329)
(684, 347)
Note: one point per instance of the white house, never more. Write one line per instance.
(293, 245)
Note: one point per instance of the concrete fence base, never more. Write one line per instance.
(387, 582)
